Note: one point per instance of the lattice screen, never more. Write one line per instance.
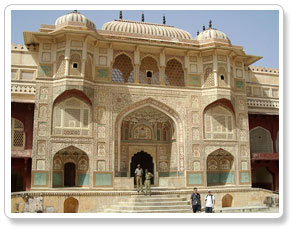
(260, 141)
(71, 117)
(219, 160)
(75, 58)
(88, 67)
(209, 78)
(60, 66)
(219, 123)
(174, 73)
(122, 69)
(149, 63)
(17, 134)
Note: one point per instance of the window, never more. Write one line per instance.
(222, 77)
(71, 117)
(219, 123)
(17, 134)
(75, 65)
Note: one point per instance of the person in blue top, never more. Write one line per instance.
(196, 201)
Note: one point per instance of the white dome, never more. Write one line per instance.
(211, 33)
(76, 19)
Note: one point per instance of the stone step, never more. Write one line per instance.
(151, 199)
(150, 211)
(153, 203)
(150, 207)
(242, 209)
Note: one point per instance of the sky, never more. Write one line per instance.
(256, 30)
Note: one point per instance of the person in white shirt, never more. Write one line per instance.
(138, 176)
(210, 202)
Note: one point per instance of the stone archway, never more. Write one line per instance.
(178, 142)
(227, 201)
(146, 162)
(220, 168)
(70, 168)
(71, 205)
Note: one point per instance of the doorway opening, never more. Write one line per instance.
(146, 162)
(69, 174)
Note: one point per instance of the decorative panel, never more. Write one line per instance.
(103, 179)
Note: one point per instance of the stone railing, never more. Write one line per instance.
(23, 88)
(265, 156)
(263, 103)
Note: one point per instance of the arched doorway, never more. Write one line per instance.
(227, 201)
(71, 205)
(146, 162)
(69, 174)
(220, 168)
(70, 168)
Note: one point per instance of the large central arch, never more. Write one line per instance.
(160, 107)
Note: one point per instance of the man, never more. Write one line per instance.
(210, 202)
(147, 182)
(196, 201)
(138, 176)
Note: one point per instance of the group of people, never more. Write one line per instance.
(147, 183)
(195, 197)
(196, 201)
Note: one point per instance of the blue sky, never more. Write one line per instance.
(256, 30)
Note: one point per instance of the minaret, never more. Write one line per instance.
(142, 17)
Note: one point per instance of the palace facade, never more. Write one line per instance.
(89, 104)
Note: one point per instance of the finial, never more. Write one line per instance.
(121, 15)
(204, 28)
(142, 17)
(75, 11)
(198, 32)
(164, 21)
(210, 24)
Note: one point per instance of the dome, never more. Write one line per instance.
(144, 28)
(211, 33)
(76, 19)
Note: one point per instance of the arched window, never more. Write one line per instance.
(17, 134)
(222, 77)
(75, 64)
(72, 117)
(123, 69)
(174, 73)
(149, 72)
(219, 123)
(60, 66)
(88, 67)
(260, 141)
(208, 77)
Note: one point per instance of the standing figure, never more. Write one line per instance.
(210, 202)
(147, 182)
(196, 201)
(138, 176)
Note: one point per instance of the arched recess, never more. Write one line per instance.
(174, 73)
(208, 77)
(222, 77)
(220, 169)
(70, 168)
(72, 114)
(75, 63)
(17, 134)
(88, 67)
(178, 141)
(260, 140)
(149, 64)
(219, 120)
(122, 69)
(71, 205)
(227, 201)
(60, 71)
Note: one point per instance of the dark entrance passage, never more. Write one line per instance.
(69, 174)
(146, 162)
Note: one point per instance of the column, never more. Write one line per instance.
(84, 57)
(228, 71)
(25, 175)
(136, 64)
(54, 59)
(67, 56)
(162, 68)
(215, 70)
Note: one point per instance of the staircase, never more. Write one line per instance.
(151, 204)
